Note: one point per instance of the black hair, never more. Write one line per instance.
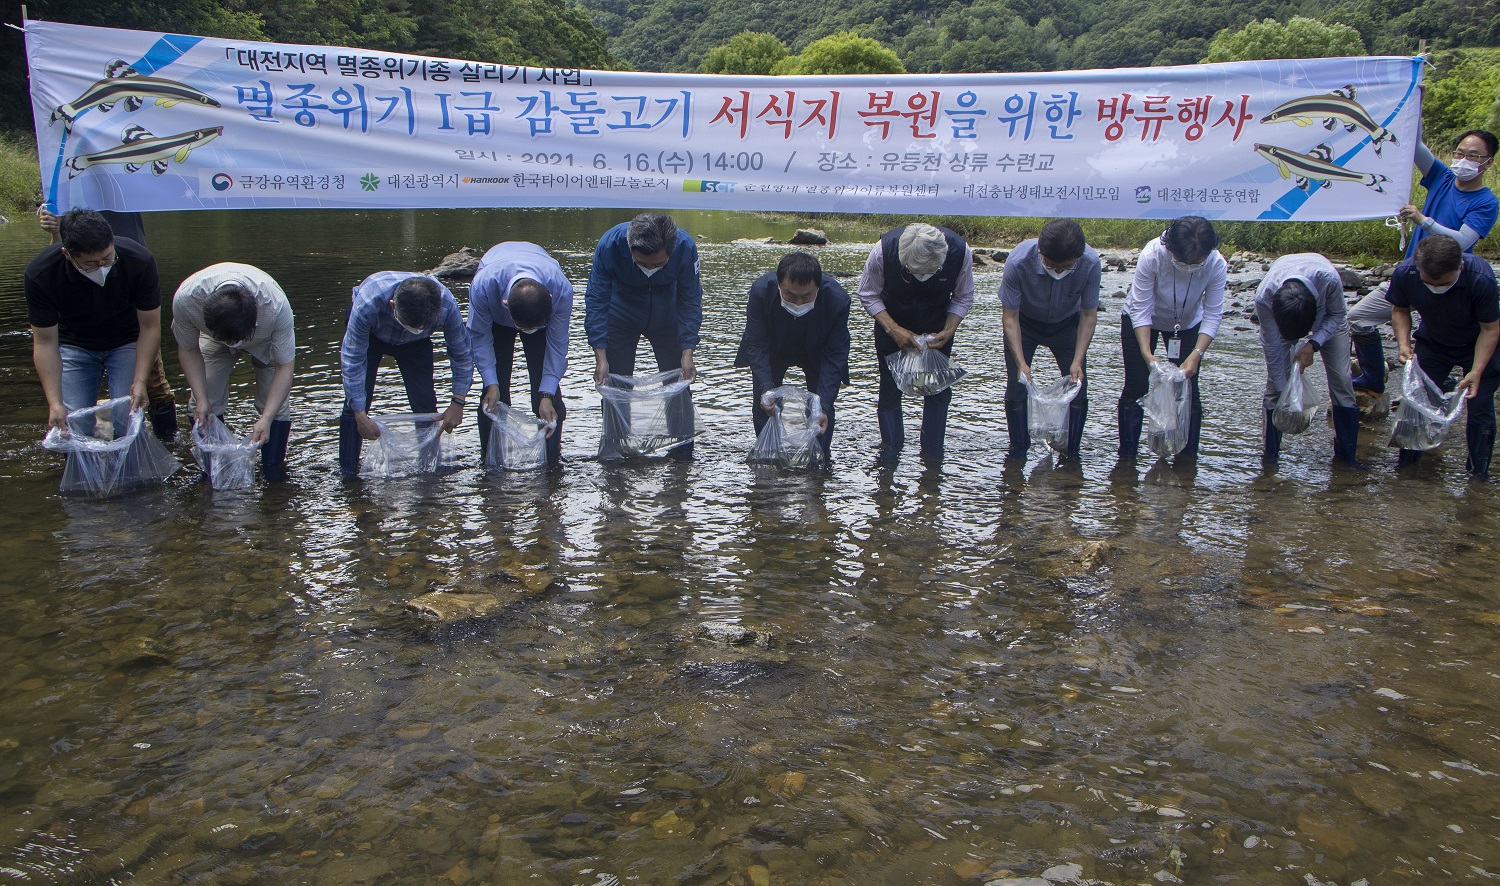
(229, 313)
(650, 233)
(799, 267)
(1295, 308)
(418, 301)
(1061, 240)
(1439, 255)
(1484, 135)
(1190, 238)
(530, 304)
(84, 232)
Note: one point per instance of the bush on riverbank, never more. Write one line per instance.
(20, 180)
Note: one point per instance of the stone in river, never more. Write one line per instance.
(809, 237)
(453, 605)
(731, 634)
(460, 265)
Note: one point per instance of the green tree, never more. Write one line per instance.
(843, 53)
(748, 52)
(1466, 95)
(1298, 38)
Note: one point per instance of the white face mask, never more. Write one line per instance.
(237, 346)
(1465, 170)
(923, 278)
(1185, 267)
(1056, 275)
(1439, 290)
(797, 310)
(414, 330)
(97, 274)
(648, 271)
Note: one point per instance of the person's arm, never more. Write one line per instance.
(960, 302)
(47, 357)
(689, 307)
(276, 394)
(196, 373)
(47, 222)
(1088, 319)
(596, 301)
(755, 344)
(147, 345)
(556, 361)
(481, 334)
(1424, 158)
(1401, 326)
(460, 362)
(1140, 302)
(1329, 288)
(353, 353)
(835, 356)
(1484, 349)
(1213, 314)
(1010, 321)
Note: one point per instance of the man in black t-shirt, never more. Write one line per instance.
(94, 305)
(1456, 295)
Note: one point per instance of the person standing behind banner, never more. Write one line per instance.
(225, 311)
(396, 313)
(1177, 297)
(1049, 294)
(918, 280)
(1456, 295)
(644, 284)
(520, 291)
(1458, 205)
(94, 305)
(162, 410)
(1302, 296)
(796, 316)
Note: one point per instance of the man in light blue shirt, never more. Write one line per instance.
(1050, 296)
(396, 313)
(520, 291)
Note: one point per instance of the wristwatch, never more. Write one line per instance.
(1315, 346)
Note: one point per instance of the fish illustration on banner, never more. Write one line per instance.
(139, 147)
(123, 83)
(1317, 166)
(1333, 108)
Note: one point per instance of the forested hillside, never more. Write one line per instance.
(1023, 35)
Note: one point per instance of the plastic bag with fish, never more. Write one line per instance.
(408, 445)
(1168, 404)
(1297, 405)
(229, 461)
(1425, 413)
(923, 370)
(108, 452)
(646, 415)
(790, 437)
(1047, 410)
(517, 441)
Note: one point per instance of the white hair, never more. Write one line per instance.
(922, 249)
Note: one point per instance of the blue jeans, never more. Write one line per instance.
(82, 369)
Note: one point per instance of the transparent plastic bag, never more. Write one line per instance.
(1047, 410)
(1425, 413)
(108, 451)
(229, 461)
(646, 415)
(1297, 405)
(408, 445)
(518, 441)
(1168, 404)
(790, 437)
(923, 370)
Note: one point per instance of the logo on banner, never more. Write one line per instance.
(369, 182)
(1143, 194)
(222, 182)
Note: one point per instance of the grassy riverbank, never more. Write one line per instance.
(20, 180)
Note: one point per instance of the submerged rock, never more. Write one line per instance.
(809, 237)
(453, 605)
(731, 634)
(460, 265)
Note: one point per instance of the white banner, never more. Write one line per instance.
(132, 120)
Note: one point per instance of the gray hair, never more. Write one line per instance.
(922, 249)
(651, 232)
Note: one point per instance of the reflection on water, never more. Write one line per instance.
(979, 673)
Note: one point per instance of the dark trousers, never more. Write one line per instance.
(1138, 379)
(535, 348)
(1061, 338)
(1479, 424)
(778, 375)
(414, 360)
(620, 345)
(888, 404)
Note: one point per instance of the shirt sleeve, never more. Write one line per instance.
(41, 313)
(184, 330)
(353, 353)
(1213, 298)
(556, 362)
(1486, 298)
(1141, 302)
(1330, 291)
(1089, 299)
(963, 290)
(1010, 285)
(873, 281)
(755, 343)
(835, 354)
(481, 329)
(460, 355)
(145, 289)
(284, 335)
(689, 299)
(597, 297)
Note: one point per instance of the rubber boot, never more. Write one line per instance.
(1019, 431)
(273, 452)
(1481, 447)
(892, 435)
(1131, 418)
(1369, 350)
(1270, 455)
(163, 418)
(1405, 458)
(1346, 436)
(933, 436)
(1189, 453)
(1075, 432)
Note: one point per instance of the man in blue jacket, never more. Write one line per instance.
(797, 316)
(644, 284)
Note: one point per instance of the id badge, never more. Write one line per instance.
(1174, 348)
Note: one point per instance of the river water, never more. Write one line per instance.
(977, 674)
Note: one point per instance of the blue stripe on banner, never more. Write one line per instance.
(1291, 201)
(169, 48)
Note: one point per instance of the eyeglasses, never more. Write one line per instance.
(1477, 158)
(95, 264)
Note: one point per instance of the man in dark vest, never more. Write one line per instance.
(919, 280)
(797, 316)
